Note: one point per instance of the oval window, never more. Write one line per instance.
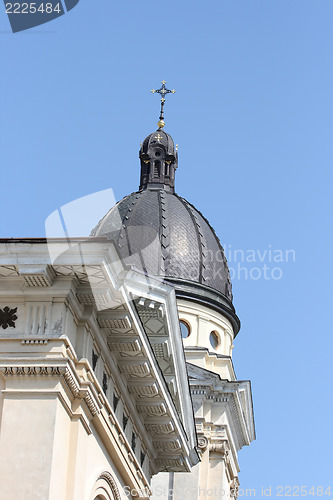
(214, 340)
(185, 329)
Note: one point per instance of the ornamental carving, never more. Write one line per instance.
(202, 443)
(8, 317)
(234, 488)
(109, 479)
(221, 448)
(31, 370)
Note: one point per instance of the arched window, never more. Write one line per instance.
(106, 488)
(185, 329)
(157, 168)
(214, 340)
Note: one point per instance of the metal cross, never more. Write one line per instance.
(163, 91)
(158, 137)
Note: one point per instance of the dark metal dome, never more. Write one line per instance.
(157, 231)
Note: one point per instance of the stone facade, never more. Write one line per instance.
(100, 398)
(94, 392)
(222, 407)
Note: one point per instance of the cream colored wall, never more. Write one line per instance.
(210, 478)
(44, 453)
(202, 322)
(26, 445)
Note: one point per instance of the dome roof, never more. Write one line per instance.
(159, 137)
(157, 231)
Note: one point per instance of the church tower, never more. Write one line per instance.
(116, 374)
(162, 234)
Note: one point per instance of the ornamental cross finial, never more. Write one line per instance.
(163, 91)
(158, 137)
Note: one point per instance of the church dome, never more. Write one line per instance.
(163, 235)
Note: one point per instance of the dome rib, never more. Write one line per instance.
(218, 242)
(186, 205)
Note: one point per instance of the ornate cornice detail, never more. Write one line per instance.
(8, 271)
(234, 488)
(167, 445)
(163, 428)
(72, 383)
(223, 392)
(152, 409)
(34, 341)
(222, 448)
(31, 370)
(37, 275)
(171, 464)
(237, 420)
(65, 371)
(92, 405)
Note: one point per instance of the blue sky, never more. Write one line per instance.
(253, 117)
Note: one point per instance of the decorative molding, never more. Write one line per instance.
(38, 319)
(167, 445)
(109, 479)
(137, 370)
(132, 346)
(160, 350)
(148, 391)
(237, 420)
(92, 405)
(171, 463)
(202, 443)
(8, 271)
(92, 299)
(114, 320)
(150, 409)
(37, 276)
(34, 341)
(8, 317)
(222, 448)
(31, 370)
(84, 274)
(165, 428)
(72, 383)
(234, 488)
